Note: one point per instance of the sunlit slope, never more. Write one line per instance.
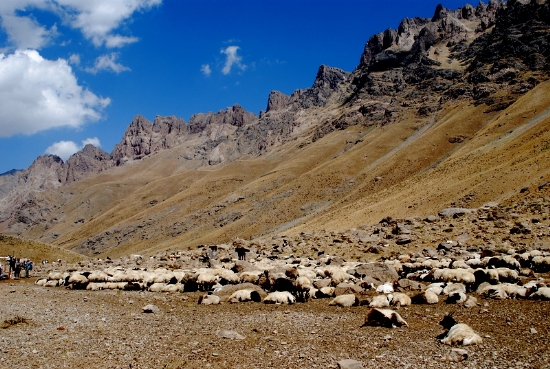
(412, 167)
(510, 152)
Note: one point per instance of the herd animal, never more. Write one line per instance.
(287, 281)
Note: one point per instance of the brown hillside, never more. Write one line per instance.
(348, 178)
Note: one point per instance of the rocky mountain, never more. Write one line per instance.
(8, 181)
(444, 111)
(144, 138)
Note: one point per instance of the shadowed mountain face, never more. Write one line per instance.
(446, 111)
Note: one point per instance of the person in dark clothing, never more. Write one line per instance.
(17, 269)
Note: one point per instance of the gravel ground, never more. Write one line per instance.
(107, 329)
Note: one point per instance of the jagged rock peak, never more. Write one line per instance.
(142, 137)
(235, 116)
(329, 77)
(90, 160)
(415, 36)
(93, 152)
(44, 173)
(277, 100)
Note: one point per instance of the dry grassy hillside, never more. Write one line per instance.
(34, 250)
(460, 156)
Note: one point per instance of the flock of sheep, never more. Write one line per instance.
(393, 283)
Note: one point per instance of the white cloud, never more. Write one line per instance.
(91, 141)
(232, 59)
(98, 20)
(64, 149)
(205, 69)
(74, 59)
(25, 32)
(107, 63)
(37, 94)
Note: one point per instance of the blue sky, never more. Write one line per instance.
(77, 71)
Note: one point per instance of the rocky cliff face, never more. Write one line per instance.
(48, 172)
(143, 137)
(90, 160)
(8, 181)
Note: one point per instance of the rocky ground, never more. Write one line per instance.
(108, 329)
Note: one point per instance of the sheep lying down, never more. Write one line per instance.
(279, 297)
(384, 318)
(458, 333)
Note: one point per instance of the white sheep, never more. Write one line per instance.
(303, 287)
(227, 276)
(453, 288)
(55, 275)
(507, 275)
(426, 297)
(98, 276)
(209, 300)
(400, 299)
(245, 295)
(346, 300)
(542, 293)
(250, 277)
(379, 301)
(77, 278)
(173, 288)
(540, 263)
(458, 333)
(325, 292)
(460, 264)
(206, 280)
(385, 288)
(280, 297)
(306, 272)
(436, 288)
(384, 318)
(465, 276)
(52, 283)
(338, 275)
(95, 286)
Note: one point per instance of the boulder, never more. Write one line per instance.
(347, 288)
(380, 272)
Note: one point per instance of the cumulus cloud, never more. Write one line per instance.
(26, 32)
(232, 59)
(37, 94)
(205, 69)
(64, 149)
(98, 20)
(74, 59)
(107, 63)
(91, 141)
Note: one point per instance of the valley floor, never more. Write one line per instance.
(107, 329)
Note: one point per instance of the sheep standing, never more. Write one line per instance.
(303, 287)
(458, 333)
